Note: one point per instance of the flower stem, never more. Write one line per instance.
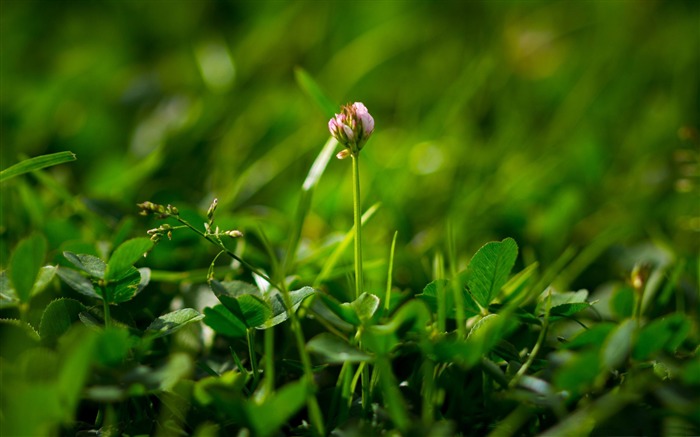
(358, 223)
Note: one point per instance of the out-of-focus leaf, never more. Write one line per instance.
(222, 321)
(661, 334)
(567, 310)
(489, 269)
(125, 256)
(171, 322)
(622, 302)
(285, 402)
(58, 317)
(578, 373)
(595, 336)
(618, 344)
(43, 279)
(36, 163)
(113, 346)
(77, 282)
(335, 350)
(8, 297)
(25, 263)
(91, 265)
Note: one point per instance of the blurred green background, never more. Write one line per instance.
(558, 123)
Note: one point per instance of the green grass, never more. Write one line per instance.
(529, 202)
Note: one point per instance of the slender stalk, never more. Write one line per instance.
(228, 252)
(357, 207)
(269, 382)
(250, 336)
(538, 344)
(107, 316)
(390, 273)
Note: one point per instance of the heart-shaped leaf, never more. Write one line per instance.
(489, 269)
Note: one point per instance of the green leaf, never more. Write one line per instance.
(313, 90)
(91, 265)
(36, 163)
(25, 264)
(365, 306)
(411, 317)
(43, 279)
(77, 282)
(171, 322)
(125, 288)
(661, 334)
(125, 256)
(335, 350)
(595, 336)
(578, 372)
(286, 402)
(58, 317)
(489, 269)
(223, 322)
(279, 311)
(243, 300)
(430, 292)
(567, 310)
(622, 302)
(343, 311)
(618, 344)
(8, 297)
(113, 346)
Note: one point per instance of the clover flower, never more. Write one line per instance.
(352, 128)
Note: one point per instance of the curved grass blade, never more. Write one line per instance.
(36, 163)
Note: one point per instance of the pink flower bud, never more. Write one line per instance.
(352, 127)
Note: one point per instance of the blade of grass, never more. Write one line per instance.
(390, 273)
(307, 189)
(313, 90)
(36, 163)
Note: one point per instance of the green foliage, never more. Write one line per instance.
(493, 120)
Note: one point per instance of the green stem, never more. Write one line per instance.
(107, 316)
(250, 336)
(538, 344)
(358, 223)
(269, 361)
(228, 252)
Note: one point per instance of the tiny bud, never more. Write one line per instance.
(345, 153)
(170, 235)
(234, 233)
(212, 209)
(639, 276)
